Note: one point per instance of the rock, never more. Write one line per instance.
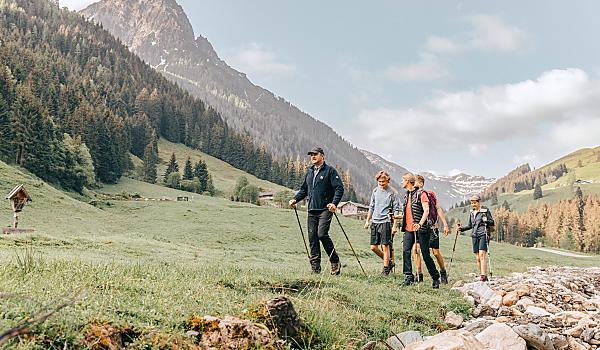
(191, 334)
(495, 302)
(480, 291)
(453, 320)
(369, 346)
(449, 340)
(571, 317)
(501, 336)
(515, 312)
(560, 341)
(503, 311)
(574, 332)
(405, 338)
(502, 319)
(458, 284)
(483, 310)
(575, 345)
(534, 336)
(523, 290)
(587, 322)
(469, 299)
(225, 334)
(284, 318)
(525, 302)
(510, 298)
(553, 309)
(587, 335)
(477, 326)
(537, 311)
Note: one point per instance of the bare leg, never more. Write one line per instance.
(386, 255)
(440, 259)
(482, 262)
(376, 250)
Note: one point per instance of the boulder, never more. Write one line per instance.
(477, 326)
(560, 341)
(449, 340)
(453, 320)
(534, 336)
(571, 317)
(501, 336)
(537, 311)
(575, 345)
(234, 333)
(409, 337)
(369, 346)
(510, 298)
(480, 291)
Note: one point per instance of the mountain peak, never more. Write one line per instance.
(144, 22)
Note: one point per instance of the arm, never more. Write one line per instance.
(371, 208)
(302, 193)
(338, 186)
(441, 216)
(396, 212)
(469, 226)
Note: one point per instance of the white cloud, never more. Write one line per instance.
(493, 34)
(428, 68)
(557, 112)
(440, 44)
(254, 59)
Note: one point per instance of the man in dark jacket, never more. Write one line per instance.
(480, 221)
(324, 189)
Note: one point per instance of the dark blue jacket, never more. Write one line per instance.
(476, 222)
(327, 188)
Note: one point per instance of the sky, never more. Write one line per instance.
(475, 86)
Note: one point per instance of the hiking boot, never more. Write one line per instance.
(408, 280)
(315, 268)
(444, 276)
(435, 284)
(483, 278)
(386, 271)
(392, 265)
(419, 278)
(335, 268)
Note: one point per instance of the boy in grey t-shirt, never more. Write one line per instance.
(384, 206)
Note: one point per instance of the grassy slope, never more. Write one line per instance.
(151, 265)
(224, 175)
(559, 189)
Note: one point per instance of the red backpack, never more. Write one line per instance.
(433, 214)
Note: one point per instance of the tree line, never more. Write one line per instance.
(75, 103)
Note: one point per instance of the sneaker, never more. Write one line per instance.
(335, 268)
(386, 271)
(420, 278)
(444, 276)
(435, 284)
(392, 265)
(408, 280)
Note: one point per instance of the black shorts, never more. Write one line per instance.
(479, 243)
(434, 239)
(381, 233)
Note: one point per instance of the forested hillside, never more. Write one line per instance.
(74, 102)
(556, 205)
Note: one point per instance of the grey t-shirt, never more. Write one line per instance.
(381, 201)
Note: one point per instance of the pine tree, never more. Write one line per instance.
(201, 173)
(150, 160)
(6, 133)
(537, 192)
(188, 172)
(171, 168)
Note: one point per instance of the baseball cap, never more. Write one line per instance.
(316, 150)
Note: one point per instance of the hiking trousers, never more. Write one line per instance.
(318, 231)
(423, 235)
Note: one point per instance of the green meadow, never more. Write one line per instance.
(145, 267)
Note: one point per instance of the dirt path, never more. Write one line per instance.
(560, 252)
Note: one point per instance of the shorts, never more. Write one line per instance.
(381, 233)
(480, 243)
(434, 239)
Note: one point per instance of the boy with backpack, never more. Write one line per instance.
(481, 222)
(416, 227)
(384, 201)
(435, 213)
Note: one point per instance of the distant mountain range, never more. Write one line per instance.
(449, 189)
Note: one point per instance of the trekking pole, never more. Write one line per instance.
(348, 239)
(302, 233)
(454, 247)
(487, 243)
(415, 255)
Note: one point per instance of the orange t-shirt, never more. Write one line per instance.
(410, 225)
